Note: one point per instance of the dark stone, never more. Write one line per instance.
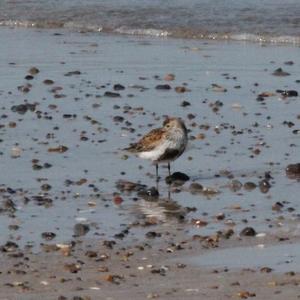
(112, 94)
(195, 188)
(119, 87)
(29, 77)
(149, 193)
(71, 73)
(48, 236)
(152, 234)
(23, 108)
(264, 186)
(81, 229)
(9, 247)
(249, 186)
(248, 231)
(177, 177)
(280, 72)
(293, 171)
(288, 93)
(164, 87)
(185, 103)
(109, 244)
(118, 119)
(33, 71)
(48, 82)
(235, 185)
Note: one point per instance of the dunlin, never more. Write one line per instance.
(162, 145)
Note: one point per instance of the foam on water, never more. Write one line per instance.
(268, 21)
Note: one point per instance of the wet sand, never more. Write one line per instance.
(74, 217)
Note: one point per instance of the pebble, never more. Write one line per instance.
(81, 229)
(177, 177)
(293, 171)
(15, 152)
(48, 236)
(195, 188)
(33, 71)
(112, 94)
(165, 87)
(248, 231)
(169, 77)
(264, 186)
(119, 87)
(280, 72)
(249, 186)
(288, 93)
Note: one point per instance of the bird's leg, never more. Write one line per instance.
(169, 168)
(156, 166)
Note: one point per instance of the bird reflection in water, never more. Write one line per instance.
(155, 209)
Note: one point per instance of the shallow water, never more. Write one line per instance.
(106, 60)
(280, 258)
(268, 20)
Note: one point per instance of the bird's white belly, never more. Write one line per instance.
(154, 154)
(158, 151)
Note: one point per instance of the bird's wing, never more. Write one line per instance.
(148, 142)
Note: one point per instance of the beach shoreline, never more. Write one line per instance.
(73, 216)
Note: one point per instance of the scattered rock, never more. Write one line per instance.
(81, 229)
(248, 231)
(195, 188)
(169, 77)
(33, 71)
(288, 93)
(249, 186)
(112, 94)
(152, 234)
(48, 236)
(264, 186)
(177, 177)
(71, 73)
(164, 87)
(180, 89)
(280, 72)
(119, 87)
(48, 82)
(293, 171)
(59, 149)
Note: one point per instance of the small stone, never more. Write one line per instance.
(149, 193)
(119, 87)
(293, 171)
(177, 177)
(169, 77)
(48, 82)
(185, 103)
(249, 186)
(59, 149)
(235, 185)
(33, 71)
(288, 93)
(163, 87)
(81, 229)
(180, 89)
(112, 94)
(15, 152)
(152, 234)
(264, 186)
(195, 188)
(277, 206)
(248, 231)
(280, 72)
(48, 236)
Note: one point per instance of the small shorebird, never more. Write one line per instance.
(162, 145)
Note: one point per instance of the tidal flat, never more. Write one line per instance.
(80, 219)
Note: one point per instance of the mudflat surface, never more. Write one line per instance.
(75, 217)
